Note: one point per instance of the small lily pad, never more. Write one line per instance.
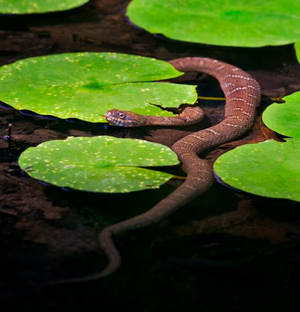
(231, 23)
(86, 85)
(99, 164)
(37, 6)
(269, 168)
(285, 118)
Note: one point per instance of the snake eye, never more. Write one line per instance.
(122, 115)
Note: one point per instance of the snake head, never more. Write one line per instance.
(121, 118)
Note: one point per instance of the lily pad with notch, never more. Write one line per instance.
(99, 164)
(284, 118)
(86, 85)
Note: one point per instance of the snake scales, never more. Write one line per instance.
(242, 94)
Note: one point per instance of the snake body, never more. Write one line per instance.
(242, 94)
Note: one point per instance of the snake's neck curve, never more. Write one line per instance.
(242, 94)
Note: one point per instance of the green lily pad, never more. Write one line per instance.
(230, 23)
(37, 6)
(297, 48)
(285, 118)
(99, 164)
(86, 85)
(269, 168)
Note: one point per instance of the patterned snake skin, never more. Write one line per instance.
(242, 94)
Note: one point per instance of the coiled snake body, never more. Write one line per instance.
(242, 94)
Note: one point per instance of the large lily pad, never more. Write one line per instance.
(99, 164)
(230, 23)
(37, 6)
(86, 85)
(285, 118)
(269, 168)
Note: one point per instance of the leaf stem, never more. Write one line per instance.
(211, 98)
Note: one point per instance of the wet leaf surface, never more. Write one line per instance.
(285, 118)
(87, 85)
(99, 164)
(244, 24)
(269, 168)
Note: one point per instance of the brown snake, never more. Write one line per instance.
(242, 94)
